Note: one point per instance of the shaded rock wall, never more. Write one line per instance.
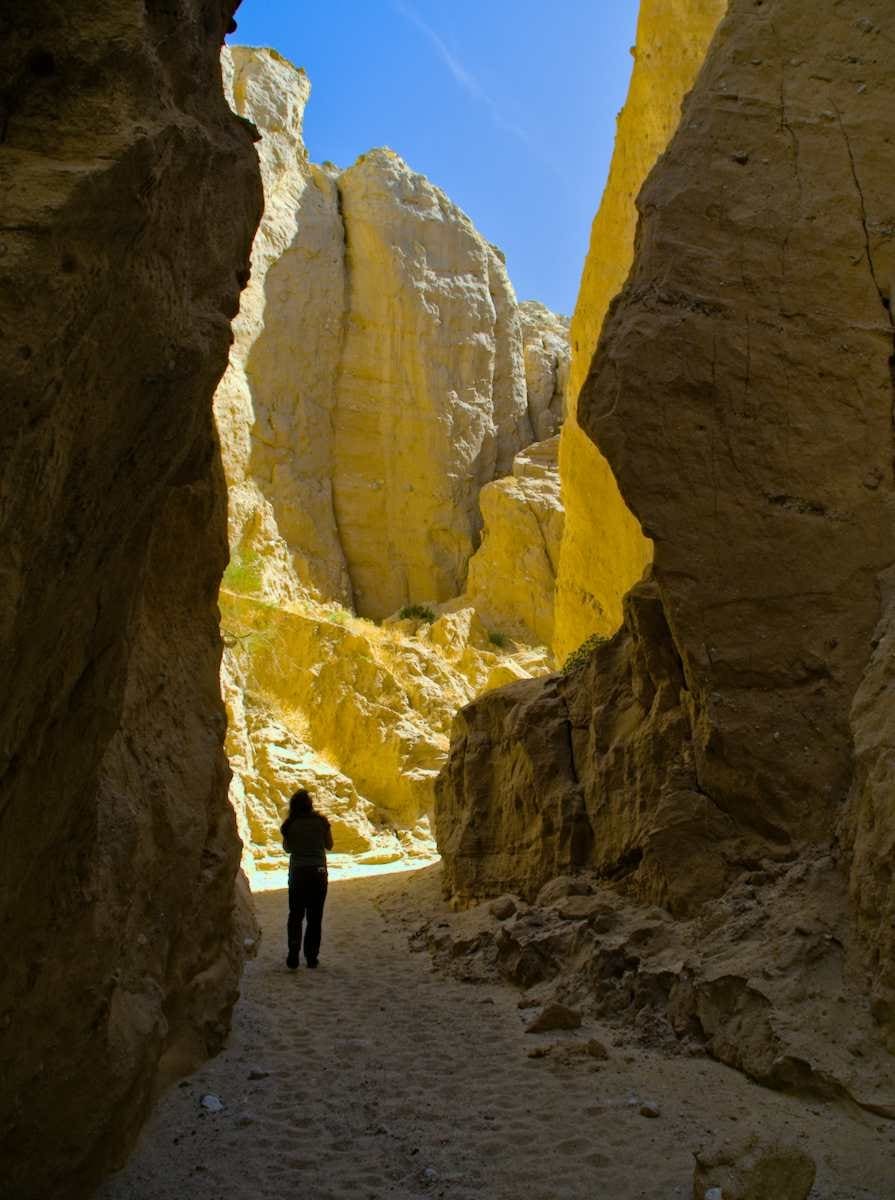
(742, 393)
(118, 850)
(589, 769)
(604, 550)
(868, 828)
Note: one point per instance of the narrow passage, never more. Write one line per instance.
(373, 1077)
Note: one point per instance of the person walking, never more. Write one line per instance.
(306, 839)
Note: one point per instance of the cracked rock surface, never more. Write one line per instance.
(131, 194)
(742, 393)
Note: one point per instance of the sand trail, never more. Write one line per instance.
(374, 1077)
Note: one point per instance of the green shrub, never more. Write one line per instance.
(579, 657)
(496, 638)
(244, 573)
(417, 612)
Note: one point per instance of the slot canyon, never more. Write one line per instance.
(579, 630)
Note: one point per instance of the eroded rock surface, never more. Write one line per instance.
(431, 396)
(771, 507)
(868, 827)
(382, 371)
(356, 712)
(382, 374)
(274, 406)
(745, 406)
(131, 195)
(511, 580)
(758, 979)
(604, 550)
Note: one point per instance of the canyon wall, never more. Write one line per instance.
(358, 713)
(604, 551)
(511, 581)
(383, 381)
(131, 196)
(742, 394)
(382, 371)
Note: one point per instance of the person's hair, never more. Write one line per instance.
(300, 805)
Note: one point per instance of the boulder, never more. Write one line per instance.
(753, 1169)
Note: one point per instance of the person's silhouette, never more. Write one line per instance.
(306, 839)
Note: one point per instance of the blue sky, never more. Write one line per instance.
(509, 106)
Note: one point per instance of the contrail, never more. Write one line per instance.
(468, 82)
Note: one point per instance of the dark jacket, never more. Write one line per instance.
(306, 838)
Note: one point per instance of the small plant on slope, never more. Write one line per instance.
(578, 658)
(243, 573)
(417, 612)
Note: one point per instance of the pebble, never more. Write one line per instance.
(649, 1110)
(555, 1016)
(212, 1103)
(714, 1194)
(258, 1073)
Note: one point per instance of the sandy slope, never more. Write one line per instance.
(385, 1080)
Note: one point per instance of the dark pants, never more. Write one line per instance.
(307, 895)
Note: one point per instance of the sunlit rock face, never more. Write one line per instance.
(604, 550)
(382, 371)
(358, 713)
(742, 394)
(382, 375)
(512, 576)
(131, 194)
(545, 350)
(274, 407)
(431, 393)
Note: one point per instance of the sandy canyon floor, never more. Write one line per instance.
(376, 1077)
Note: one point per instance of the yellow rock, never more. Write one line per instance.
(431, 393)
(512, 575)
(545, 349)
(358, 713)
(381, 374)
(278, 392)
(604, 550)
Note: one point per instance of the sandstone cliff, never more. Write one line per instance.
(604, 550)
(745, 408)
(381, 374)
(512, 576)
(274, 407)
(382, 378)
(432, 400)
(131, 196)
(360, 713)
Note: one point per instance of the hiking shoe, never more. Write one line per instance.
(312, 962)
(292, 960)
